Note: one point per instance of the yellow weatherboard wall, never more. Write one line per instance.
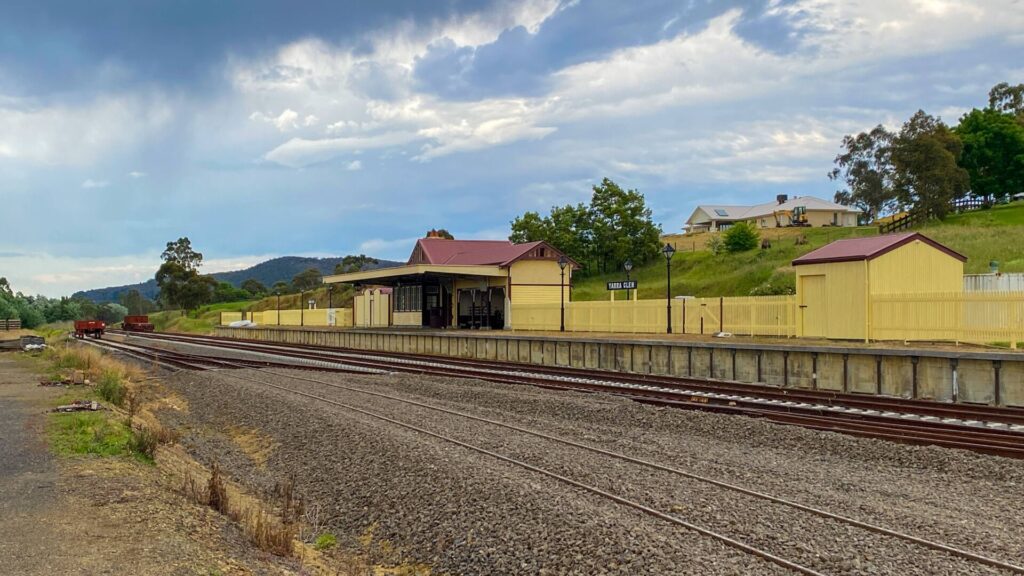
(916, 267)
(538, 282)
(844, 300)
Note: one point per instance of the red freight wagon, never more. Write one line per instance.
(136, 324)
(92, 328)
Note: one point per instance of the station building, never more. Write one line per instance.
(459, 283)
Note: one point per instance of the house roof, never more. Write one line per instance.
(442, 251)
(721, 212)
(853, 249)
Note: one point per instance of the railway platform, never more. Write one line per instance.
(942, 373)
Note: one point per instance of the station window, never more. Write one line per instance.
(408, 298)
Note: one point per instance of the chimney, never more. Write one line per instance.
(781, 198)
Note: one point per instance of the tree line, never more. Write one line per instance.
(927, 165)
(614, 227)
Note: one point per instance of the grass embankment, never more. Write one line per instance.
(104, 433)
(982, 236)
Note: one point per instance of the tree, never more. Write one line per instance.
(181, 253)
(866, 169)
(926, 175)
(307, 280)
(226, 292)
(352, 263)
(440, 233)
(530, 227)
(1007, 99)
(5, 288)
(993, 152)
(111, 313)
(622, 227)
(136, 303)
(183, 288)
(616, 226)
(281, 287)
(254, 287)
(740, 237)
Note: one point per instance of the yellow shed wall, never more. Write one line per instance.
(407, 318)
(916, 268)
(538, 282)
(845, 292)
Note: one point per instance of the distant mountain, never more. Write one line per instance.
(267, 273)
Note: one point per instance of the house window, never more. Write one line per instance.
(408, 298)
(721, 212)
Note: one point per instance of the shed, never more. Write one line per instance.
(835, 283)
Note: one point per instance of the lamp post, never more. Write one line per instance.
(330, 296)
(627, 266)
(302, 313)
(562, 262)
(668, 251)
(278, 294)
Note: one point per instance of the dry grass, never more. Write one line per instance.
(67, 358)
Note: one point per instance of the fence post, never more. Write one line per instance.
(721, 314)
(753, 310)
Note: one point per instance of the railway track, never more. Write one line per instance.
(986, 429)
(733, 541)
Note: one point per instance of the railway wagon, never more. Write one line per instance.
(92, 328)
(136, 324)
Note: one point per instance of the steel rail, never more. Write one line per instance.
(1007, 414)
(564, 479)
(998, 442)
(693, 476)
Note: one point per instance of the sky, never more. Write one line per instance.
(260, 129)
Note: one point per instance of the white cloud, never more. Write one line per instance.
(354, 165)
(90, 183)
(78, 134)
(136, 174)
(300, 152)
(285, 121)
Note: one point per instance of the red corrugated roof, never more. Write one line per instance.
(853, 249)
(440, 251)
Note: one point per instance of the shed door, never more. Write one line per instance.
(813, 306)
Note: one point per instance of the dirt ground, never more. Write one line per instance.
(92, 515)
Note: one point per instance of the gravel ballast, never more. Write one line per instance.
(467, 513)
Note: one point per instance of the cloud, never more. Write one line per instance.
(301, 152)
(284, 122)
(354, 165)
(136, 174)
(82, 133)
(90, 183)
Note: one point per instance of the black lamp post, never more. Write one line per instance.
(330, 296)
(668, 251)
(627, 266)
(302, 311)
(278, 294)
(562, 262)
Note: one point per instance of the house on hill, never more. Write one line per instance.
(782, 212)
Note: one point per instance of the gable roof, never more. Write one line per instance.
(768, 208)
(853, 249)
(441, 251)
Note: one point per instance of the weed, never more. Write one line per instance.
(143, 444)
(88, 433)
(216, 491)
(325, 541)
(110, 387)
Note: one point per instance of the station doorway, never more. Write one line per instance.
(481, 308)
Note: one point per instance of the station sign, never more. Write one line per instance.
(622, 285)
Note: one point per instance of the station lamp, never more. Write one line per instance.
(562, 263)
(668, 251)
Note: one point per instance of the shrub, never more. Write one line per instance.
(143, 443)
(779, 284)
(110, 387)
(740, 237)
(715, 244)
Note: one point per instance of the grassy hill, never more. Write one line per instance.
(982, 236)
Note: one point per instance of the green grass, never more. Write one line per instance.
(701, 273)
(89, 433)
(982, 236)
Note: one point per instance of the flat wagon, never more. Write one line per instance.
(136, 324)
(92, 328)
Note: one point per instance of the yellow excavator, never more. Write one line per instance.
(797, 217)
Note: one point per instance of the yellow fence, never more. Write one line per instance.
(322, 317)
(753, 316)
(979, 317)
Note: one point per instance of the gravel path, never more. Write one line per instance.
(468, 514)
